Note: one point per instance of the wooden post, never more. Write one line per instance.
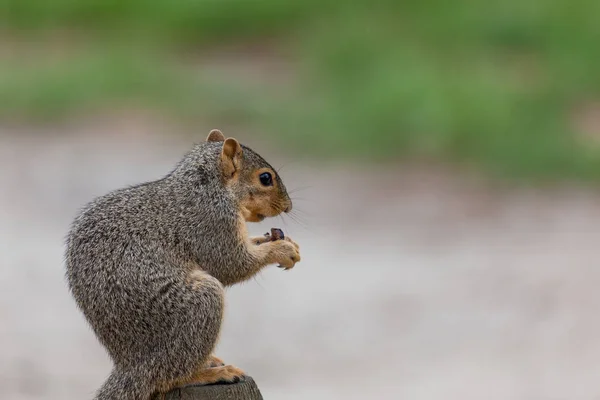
(246, 390)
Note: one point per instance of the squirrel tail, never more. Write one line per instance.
(122, 385)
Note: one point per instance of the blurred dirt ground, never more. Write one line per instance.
(414, 284)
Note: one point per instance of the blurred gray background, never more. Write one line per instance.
(443, 156)
(415, 283)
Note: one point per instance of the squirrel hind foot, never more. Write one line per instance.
(214, 361)
(224, 374)
(212, 376)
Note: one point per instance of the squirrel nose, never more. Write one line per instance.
(288, 208)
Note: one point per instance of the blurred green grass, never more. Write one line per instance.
(492, 85)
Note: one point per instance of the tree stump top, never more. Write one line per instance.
(247, 390)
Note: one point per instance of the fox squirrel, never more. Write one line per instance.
(147, 265)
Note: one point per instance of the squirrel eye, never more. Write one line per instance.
(266, 179)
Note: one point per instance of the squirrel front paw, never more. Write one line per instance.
(275, 234)
(286, 253)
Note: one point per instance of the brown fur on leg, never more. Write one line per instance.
(214, 361)
(207, 376)
(224, 374)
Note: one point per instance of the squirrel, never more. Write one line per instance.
(147, 265)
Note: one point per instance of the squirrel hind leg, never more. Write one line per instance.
(208, 376)
(195, 333)
(214, 361)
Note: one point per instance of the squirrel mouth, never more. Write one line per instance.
(260, 217)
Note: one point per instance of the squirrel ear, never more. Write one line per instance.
(215, 136)
(231, 157)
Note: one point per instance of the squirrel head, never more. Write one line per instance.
(259, 190)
